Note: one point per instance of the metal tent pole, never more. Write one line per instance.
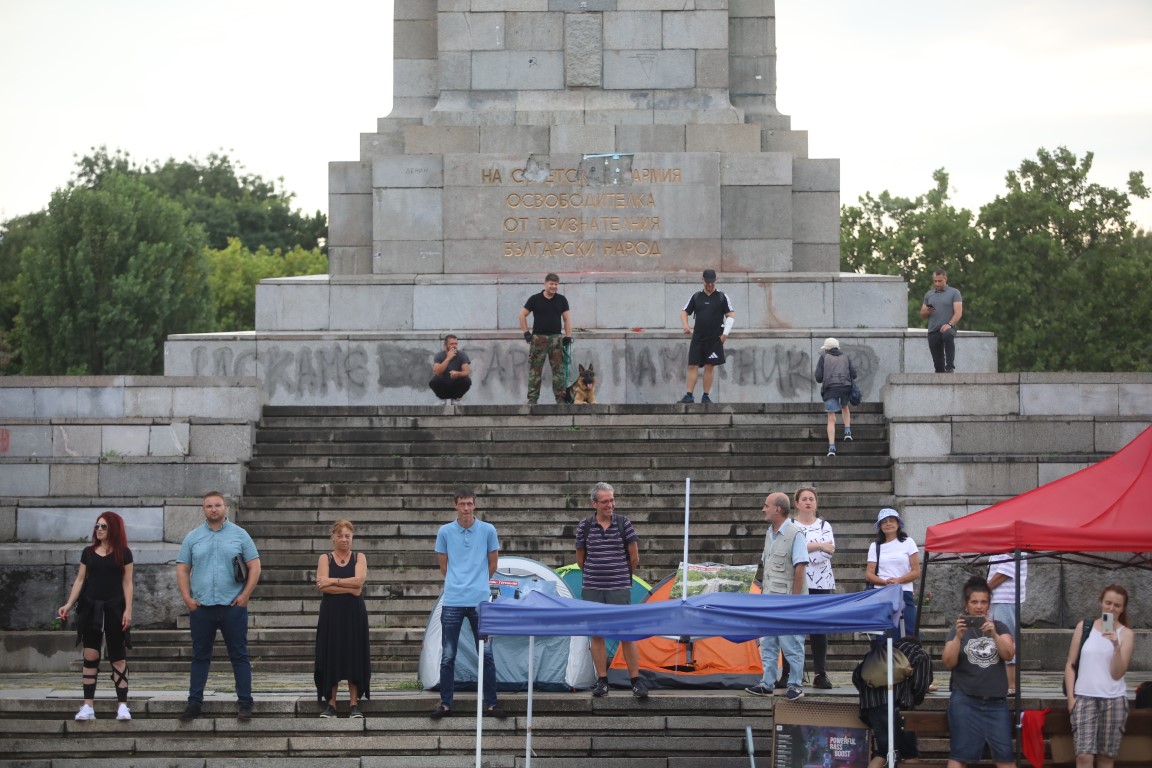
(479, 701)
(531, 687)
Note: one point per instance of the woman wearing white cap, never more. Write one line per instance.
(835, 372)
(895, 559)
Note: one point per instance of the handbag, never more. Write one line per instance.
(239, 569)
(856, 396)
(874, 667)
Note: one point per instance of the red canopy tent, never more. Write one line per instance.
(1104, 508)
(1101, 516)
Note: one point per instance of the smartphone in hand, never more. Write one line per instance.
(1108, 623)
(974, 622)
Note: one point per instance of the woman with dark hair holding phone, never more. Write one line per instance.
(102, 597)
(976, 649)
(1097, 691)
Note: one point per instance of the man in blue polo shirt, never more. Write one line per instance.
(205, 575)
(608, 551)
(468, 550)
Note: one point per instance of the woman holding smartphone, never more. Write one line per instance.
(975, 649)
(1098, 693)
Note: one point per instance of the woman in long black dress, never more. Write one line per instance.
(342, 651)
(102, 597)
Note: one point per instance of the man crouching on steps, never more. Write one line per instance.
(608, 552)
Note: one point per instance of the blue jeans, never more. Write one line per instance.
(451, 619)
(975, 722)
(909, 619)
(232, 621)
(793, 648)
(910, 614)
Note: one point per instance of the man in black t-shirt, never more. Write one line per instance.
(451, 371)
(551, 332)
(714, 319)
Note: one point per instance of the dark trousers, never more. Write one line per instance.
(943, 349)
(451, 389)
(452, 618)
(232, 623)
(819, 642)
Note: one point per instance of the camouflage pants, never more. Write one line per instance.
(551, 347)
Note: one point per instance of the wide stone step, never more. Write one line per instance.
(632, 497)
(672, 729)
(371, 478)
(809, 445)
(750, 484)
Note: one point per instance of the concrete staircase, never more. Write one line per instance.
(393, 471)
(673, 729)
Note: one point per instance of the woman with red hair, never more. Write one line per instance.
(102, 597)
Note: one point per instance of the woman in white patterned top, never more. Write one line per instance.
(821, 580)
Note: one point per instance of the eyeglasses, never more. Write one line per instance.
(100, 527)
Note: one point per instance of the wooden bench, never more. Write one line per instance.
(1135, 749)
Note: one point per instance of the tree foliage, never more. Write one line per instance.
(218, 195)
(96, 281)
(236, 270)
(1054, 266)
(890, 235)
(113, 270)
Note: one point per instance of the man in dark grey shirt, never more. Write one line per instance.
(943, 307)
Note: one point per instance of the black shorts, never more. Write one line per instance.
(706, 352)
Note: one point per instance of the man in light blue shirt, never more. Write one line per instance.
(468, 550)
(785, 561)
(206, 578)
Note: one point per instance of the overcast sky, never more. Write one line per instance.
(894, 88)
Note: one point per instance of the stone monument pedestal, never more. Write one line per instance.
(626, 145)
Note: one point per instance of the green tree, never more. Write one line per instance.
(236, 270)
(889, 235)
(1061, 254)
(226, 201)
(1054, 267)
(111, 272)
(15, 235)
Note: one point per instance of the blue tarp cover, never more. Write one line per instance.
(735, 617)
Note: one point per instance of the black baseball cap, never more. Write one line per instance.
(710, 275)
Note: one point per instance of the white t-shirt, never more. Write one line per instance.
(1006, 592)
(894, 561)
(819, 570)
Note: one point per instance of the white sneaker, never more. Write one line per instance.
(123, 713)
(86, 713)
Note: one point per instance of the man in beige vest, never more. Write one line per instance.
(785, 557)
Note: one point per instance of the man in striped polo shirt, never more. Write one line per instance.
(608, 551)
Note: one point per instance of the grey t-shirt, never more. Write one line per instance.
(457, 363)
(941, 302)
(980, 671)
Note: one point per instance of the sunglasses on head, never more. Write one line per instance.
(100, 527)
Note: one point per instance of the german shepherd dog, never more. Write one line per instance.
(583, 390)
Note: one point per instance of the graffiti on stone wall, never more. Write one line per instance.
(361, 370)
